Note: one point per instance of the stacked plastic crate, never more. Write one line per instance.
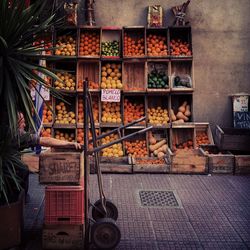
(62, 172)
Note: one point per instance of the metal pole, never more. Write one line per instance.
(86, 165)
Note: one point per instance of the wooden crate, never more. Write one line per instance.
(88, 69)
(115, 165)
(218, 162)
(203, 128)
(146, 165)
(160, 66)
(242, 162)
(158, 103)
(32, 161)
(182, 137)
(183, 34)
(109, 34)
(134, 33)
(187, 162)
(184, 70)
(133, 76)
(61, 168)
(232, 138)
(65, 237)
(177, 100)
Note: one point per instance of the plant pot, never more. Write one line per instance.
(11, 227)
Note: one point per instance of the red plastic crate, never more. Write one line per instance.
(64, 205)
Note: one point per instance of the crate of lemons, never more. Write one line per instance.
(63, 115)
(111, 76)
(111, 112)
(67, 81)
(114, 150)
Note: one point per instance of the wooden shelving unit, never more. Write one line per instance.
(153, 68)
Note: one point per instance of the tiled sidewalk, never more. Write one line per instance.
(214, 211)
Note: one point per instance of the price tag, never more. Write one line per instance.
(111, 95)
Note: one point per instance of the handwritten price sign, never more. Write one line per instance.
(111, 95)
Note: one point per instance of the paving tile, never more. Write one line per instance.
(201, 197)
(138, 245)
(136, 230)
(224, 245)
(215, 231)
(215, 211)
(199, 212)
(167, 214)
(174, 231)
(174, 245)
(243, 229)
(132, 213)
(236, 212)
(217, 182)
(186, 182)
(228, 197)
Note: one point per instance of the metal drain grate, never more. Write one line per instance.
(158, 198)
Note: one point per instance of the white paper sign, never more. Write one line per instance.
(240, 103)
(111, 95)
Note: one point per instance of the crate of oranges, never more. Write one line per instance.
(89, 44)
(134, 43)
(47, 113)
(157, 45)
(46, 132)
(66, 46)
(132, 111)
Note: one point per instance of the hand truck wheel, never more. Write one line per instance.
(105, 234)
(98, 212)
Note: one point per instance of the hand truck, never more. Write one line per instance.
(101, 230)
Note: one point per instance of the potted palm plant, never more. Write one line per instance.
(18, 66)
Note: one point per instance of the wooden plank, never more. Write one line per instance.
(151, 168)
(242, 164)
(66, 237)
(116, 168)
(232, 138)
(188, 168)
(61, 167)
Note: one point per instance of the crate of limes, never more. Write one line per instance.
(157, 80)
(110, 48)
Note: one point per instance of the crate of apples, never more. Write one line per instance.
(111, 112)
(157, 45)
(47, 113)
(114, 150)
(63, 116)
(132, 111)
(89, 44)
(184, 145)
(179, 48)
(133, 46)
(111, 76)
(68, 81)
(158, 116)
(66, 46)
(46, 132)
(136, 148)
(64, 136)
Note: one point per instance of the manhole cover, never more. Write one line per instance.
(158, 198)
